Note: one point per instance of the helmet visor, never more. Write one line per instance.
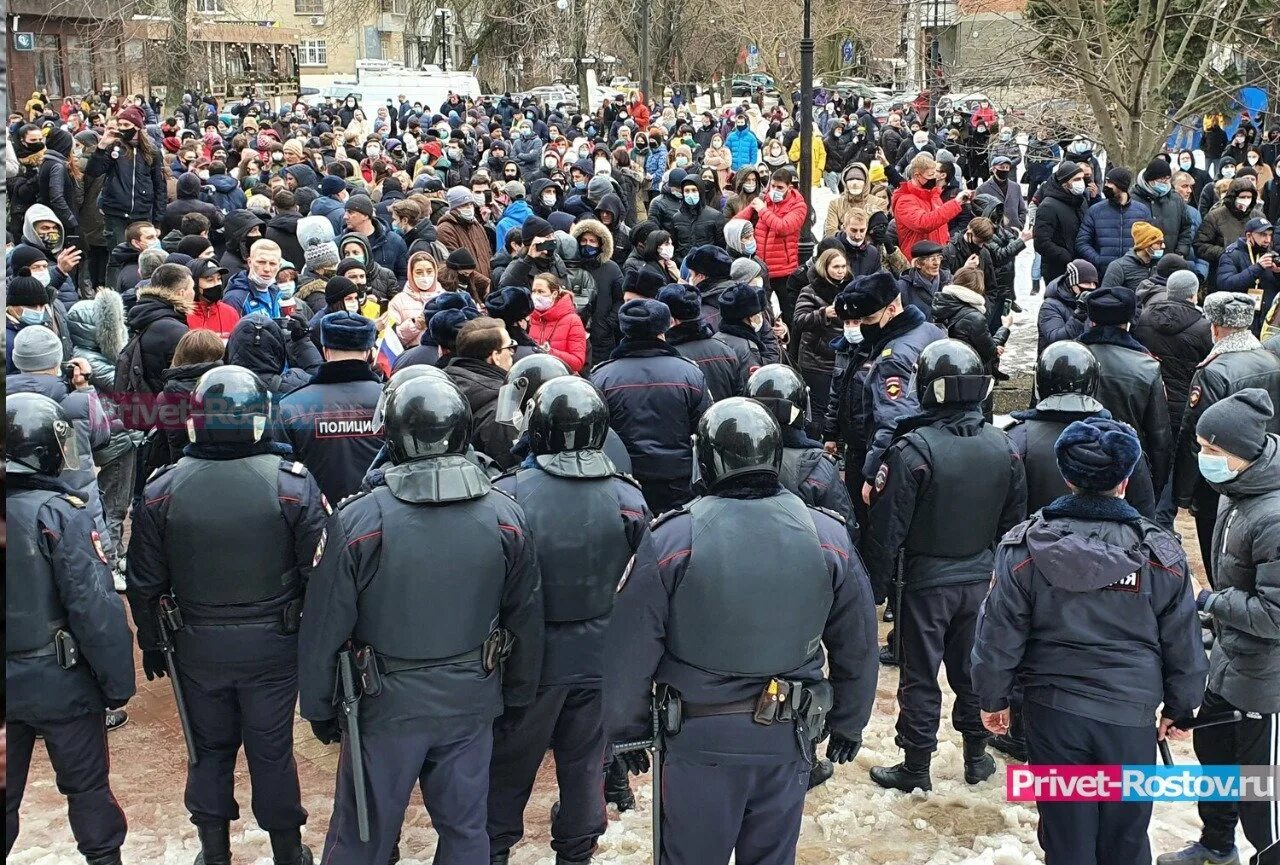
(511, 397)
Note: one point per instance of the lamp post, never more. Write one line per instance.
(646, 73)
(806, 131)
(443, 16)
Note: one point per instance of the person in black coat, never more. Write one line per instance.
(481, 354)
(1179, 336)
(1063, 204)
(1061, 315)
(67, 586)
(160, 317)
(596, 259)
(282, 355)
(694, 222)
(59, 184)
(695, 340)
(962, 308)
(189, 201)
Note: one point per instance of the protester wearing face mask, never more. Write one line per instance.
(209, 311)
(1252, 265)
(1106, 233)
(1225, 225)
(744, 147)
(1236, 362)
(555, 325)
(406, 307)
(135, 186)
(255, 289)
(1130, 269)
(918, 207)
(28, 305)
(460, 228)
(1058, 218)
(42, 233)
(1003, 186)
(1154, 188)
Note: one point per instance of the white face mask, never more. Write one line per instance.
(352, 305)
(1078, 187)
(424, 283)
(43, 277)
(542, 302)
(667, 251)
(852, 334)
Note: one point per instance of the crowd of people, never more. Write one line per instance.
(592, 366)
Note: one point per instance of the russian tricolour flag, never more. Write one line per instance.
(389, 351)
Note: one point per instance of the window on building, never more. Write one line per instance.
(313, 52)
(48, 63)
(210, 6)
(394, 6)
(308, 7)
(79, 66)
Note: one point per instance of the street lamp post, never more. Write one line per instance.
(806, 131)
(443, 16)
(646, 73)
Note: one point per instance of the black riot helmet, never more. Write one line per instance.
(990, 206)
(399, 377)
(426, 417)
(40, 440)
(524, 379)
(949, 372)
(230, 405)
(568, 414)
(736, 436)
(782, 391)
(1066, 367)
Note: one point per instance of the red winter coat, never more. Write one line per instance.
(218, 317)
(921, 214)
(562, 331)
(778, 232)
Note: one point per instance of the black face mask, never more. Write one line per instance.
(931, 183)
(213, 293)
(1001, 174)
(870, 332)
(35, 147)
(128, 134)
(1108, 193)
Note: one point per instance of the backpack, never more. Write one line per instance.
(131, 385)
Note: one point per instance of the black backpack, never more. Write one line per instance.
(131, 388)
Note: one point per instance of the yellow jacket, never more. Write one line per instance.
(819, 156)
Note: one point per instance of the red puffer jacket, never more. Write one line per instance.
(778, 232)
(562, 331)
(921, 214)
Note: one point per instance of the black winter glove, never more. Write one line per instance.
(154, 664)
(1082, 306)
(328, 731)
(842, 750)
(297, 328)
(637, 762)
(878, 232)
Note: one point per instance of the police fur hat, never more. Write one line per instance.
(869, 294)
(643, 282)
(510, 304)
(684, 301)
(1097, 454)
(446, 323)
(710, 261)
(644, 319)
(1233, 309)
(740, 302)
(1114, 304)
(347, 331)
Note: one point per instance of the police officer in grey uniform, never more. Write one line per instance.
(949, 487)
(432, 580)
(587, 522)
(228, 535)
(68, 650)
(737, 653)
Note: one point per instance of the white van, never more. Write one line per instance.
(379, 82)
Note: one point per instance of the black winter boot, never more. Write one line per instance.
(821, 773)
(215, 844)
(499, 858)
(978, 764)
(617, 787)
(287, 848)
(910, 774)
(888, 656)
(1035, 286)
(104, 859)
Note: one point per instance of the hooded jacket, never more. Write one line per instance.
(872, 199)
(1238, 270)
(1057, 224)
(189, 201)
(1244, 666)
(62, 284)
(816, 331)
(456, 233)
(513, 216)
(693, 226)
(1169, 214)
(963, 312)
(283, 229)
(1086, 585)
(261, 346)
(238, 224)
(161, 319)
(98, 334)
(1179, 336)
(382, 281)
(1057, 320)
(1223, 225)
(227, 194)
(602, 313)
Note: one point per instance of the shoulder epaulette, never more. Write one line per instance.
(502, 492)
(509, 473)
(1164, 546)
(1018, 533)
(293, 467)
(354, 497)
(623, 476)
(824, 455)
(160, 472)
(75, 501)
(667, 516)
(835, 515)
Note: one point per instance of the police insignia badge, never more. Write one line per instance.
(882, 477)
(626, 574)
(893, 387)
(1194, 398)
(97, 546)
(324, 537)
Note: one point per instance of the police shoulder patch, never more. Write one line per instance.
(882, 477)
(1193, 398)
(1018, 533)
(500, 491)
(893, 387)
(293, 467)
(1165, 547)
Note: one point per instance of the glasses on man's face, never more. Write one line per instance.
(511, 347)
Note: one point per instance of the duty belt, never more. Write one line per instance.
(708, 710)
(44, 651)
(388, 665)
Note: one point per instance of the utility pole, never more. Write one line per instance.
(806, 131)
(646, 72)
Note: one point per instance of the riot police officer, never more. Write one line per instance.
(221, 549)
(1066, 380)
(587, 522)
(737, 654)
(432, 582)
(526, 376)
(949, 486)
(807, 470)
(68, 650)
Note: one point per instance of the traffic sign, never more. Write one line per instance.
(24, 42)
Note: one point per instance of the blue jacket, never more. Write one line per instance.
(744, 147)
(246, 298)
(1057, 321)
(331, 209)
(1088, 585)
(655, 165)
(1237, 272)
(513, 217)
(389, 249)
(1106, 232)
(655, 398)
(227, 194)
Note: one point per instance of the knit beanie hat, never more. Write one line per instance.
(1097, 454)
(26, 291)
(315, 236)
(36, 348)
(332, 185)
(1170, 262)
(1237, 424)
(1182, 285)
(461, 259)
(458, 196)
(1081, 270)
(1233, 309)
(1157, 169)
(1120, 178)
(535, 226)
(744, 269)
(193, 245)
(350, 264)
(1145, 235)
(1066, 171)
(337, 288)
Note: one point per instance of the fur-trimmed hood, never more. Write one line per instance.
(165, 296)
(98, 325)
(967, 296)
(600, 230)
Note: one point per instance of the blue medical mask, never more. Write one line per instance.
(32, 316)
(286, 289)
(691, 199)
(749, 247)
(1157, 254)
(1215, 468)
(852, 334)
(1161, 188)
